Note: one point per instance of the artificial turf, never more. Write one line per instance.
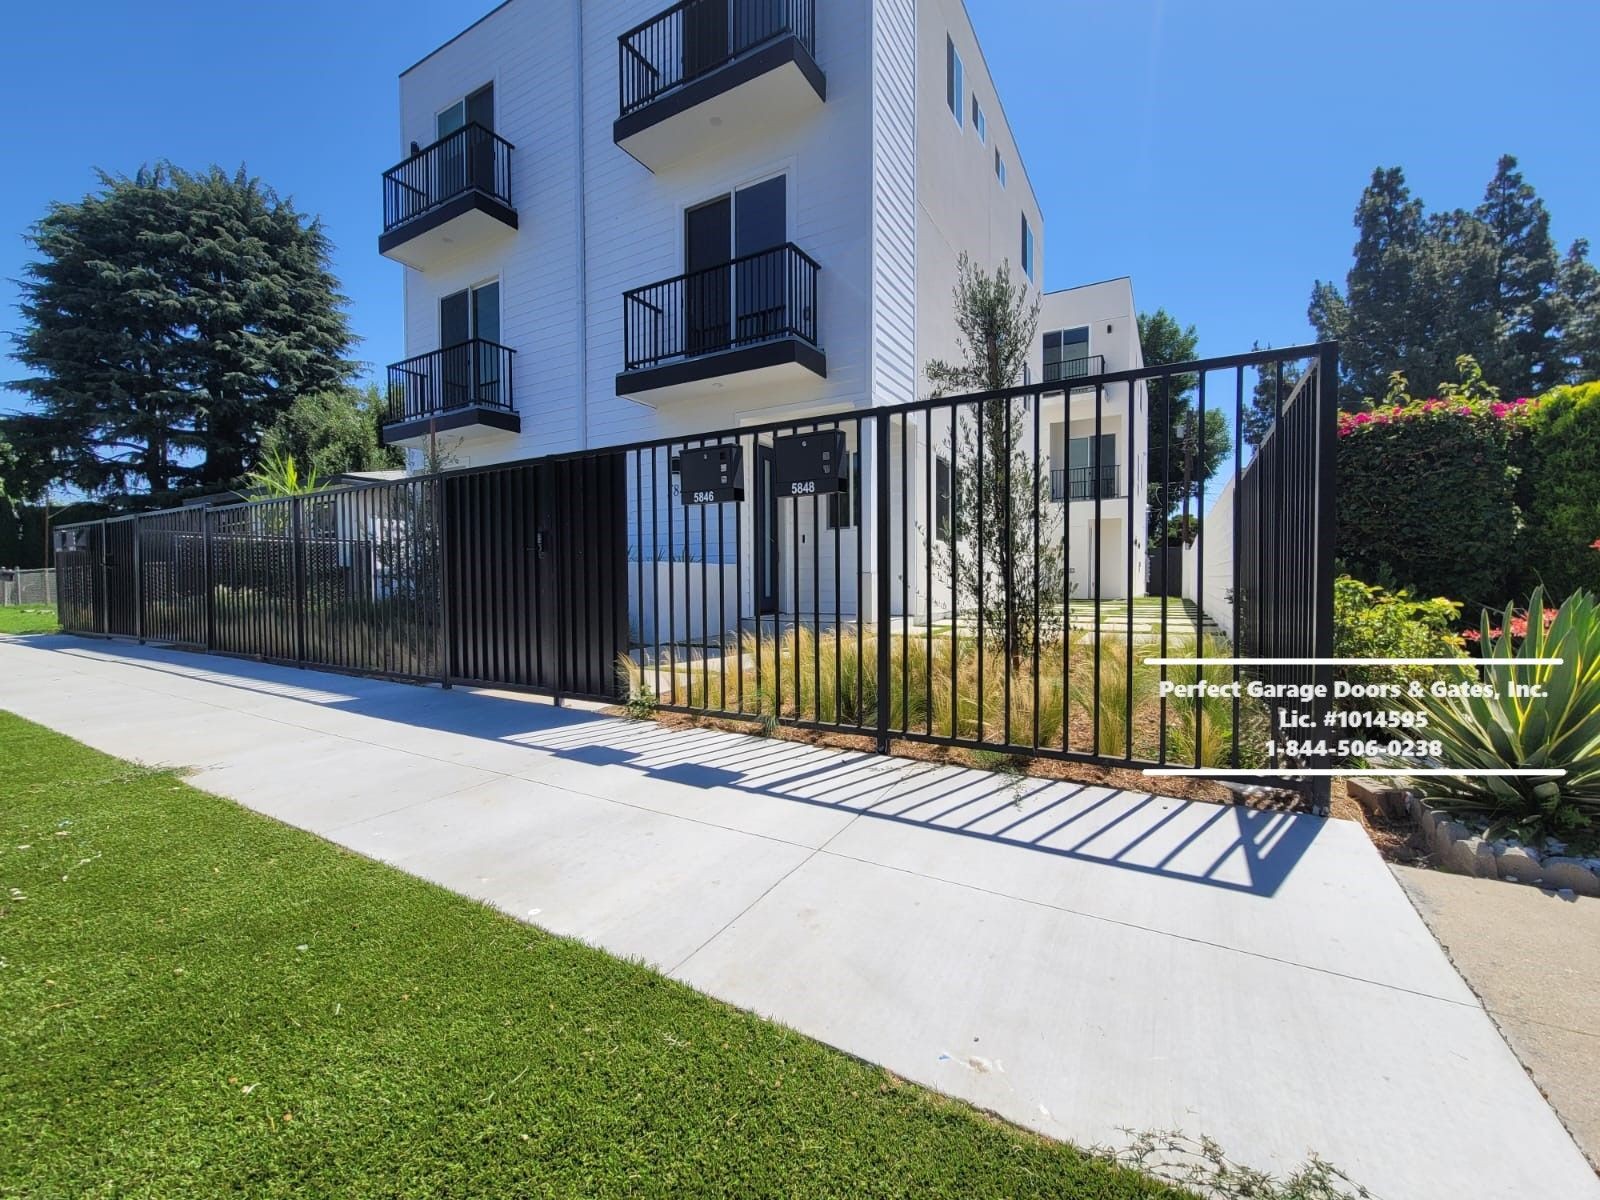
(198, 1001)
(29, 618)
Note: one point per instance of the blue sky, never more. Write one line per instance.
(1214, 151)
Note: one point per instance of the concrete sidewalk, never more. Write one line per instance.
(1074, 958)
(1533, 957)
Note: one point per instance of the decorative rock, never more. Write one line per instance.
(1570, 873)
(1473, 856)
(1517, 862)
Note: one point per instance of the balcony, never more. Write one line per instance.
(1086, 483)
(464, 388)
(714, 71)
(1086, 367)
(754, 317)
(447, 197)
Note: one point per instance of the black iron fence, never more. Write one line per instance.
(753, 298)
(474, 372)
(695, 37)
(901, 573)
(929, 588)
(468, 159)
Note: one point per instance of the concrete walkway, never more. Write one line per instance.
(1534, 959)
(1075, 959)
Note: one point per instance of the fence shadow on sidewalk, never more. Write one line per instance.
(1230, 847)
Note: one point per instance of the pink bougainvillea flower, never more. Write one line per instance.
(1595, 545)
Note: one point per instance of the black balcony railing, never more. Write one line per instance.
(1075, 368)
(470, 159)
(1086, 483)
(470, 373)
(751, 299)
(696, 37)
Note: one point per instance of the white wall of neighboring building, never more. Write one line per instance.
(1210, 583)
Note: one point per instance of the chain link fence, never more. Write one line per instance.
(33, 585)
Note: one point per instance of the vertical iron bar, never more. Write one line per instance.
(297, 558)
(1094, 566)
(1200, 568)
(881, 454)
(1238, 454)
(1036, 402)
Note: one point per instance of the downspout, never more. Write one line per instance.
(582, 233)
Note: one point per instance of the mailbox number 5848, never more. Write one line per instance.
(804, 487)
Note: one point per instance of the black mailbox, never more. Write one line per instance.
(711, 474)
(810, 464)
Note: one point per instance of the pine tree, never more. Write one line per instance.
(168, 320)
(1424, 290)
(1577, 305)
(1371, 319)
(1525, 353)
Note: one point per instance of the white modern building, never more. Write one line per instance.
(623, 222)
(1096, 435)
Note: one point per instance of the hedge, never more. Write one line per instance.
(1563, 491)
(1428, 497)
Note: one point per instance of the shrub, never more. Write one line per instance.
(1428, 490)
(1563, 490)
(1372, 622)
(1560, 730)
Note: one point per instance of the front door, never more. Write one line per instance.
(766, 530)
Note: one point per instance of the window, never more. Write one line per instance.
(470, 313)
(1066, 354)
(1027, 247)
(844, 506)
(1092, 467)
(978, 123)
(999, 167)
(954, 80)
(942, 512)
(476, 109)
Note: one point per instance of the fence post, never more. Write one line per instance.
(440, 569)
(881, 565)
(138, 580)
(297, 551)
(1323, 531)
(206, 571)
(103, 596)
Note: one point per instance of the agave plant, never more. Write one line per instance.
(1538, 716)
(279, 475)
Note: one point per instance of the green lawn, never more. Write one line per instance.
(28, 619)
(195, 1000)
